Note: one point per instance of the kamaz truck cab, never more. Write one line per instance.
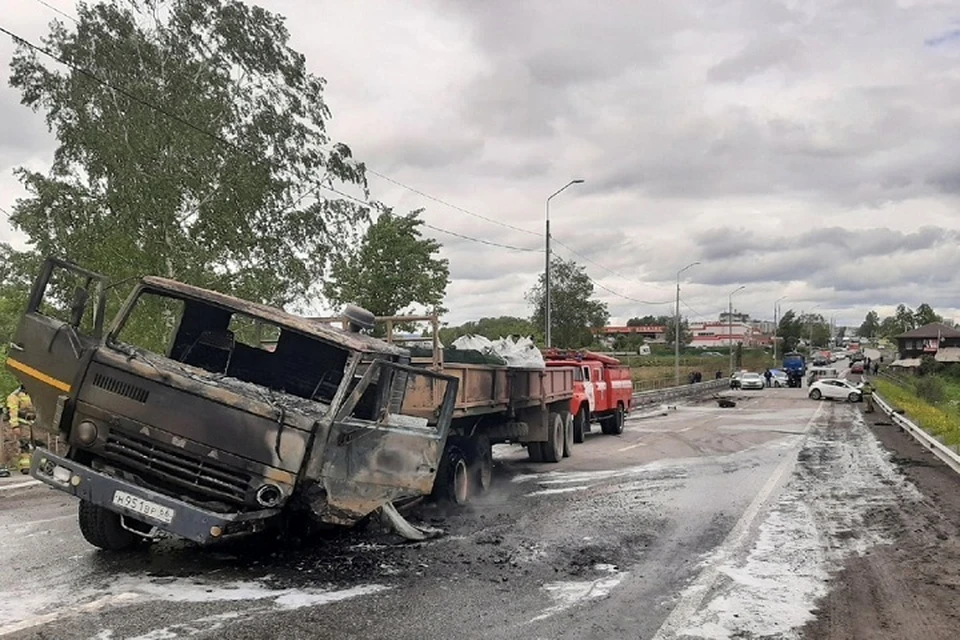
(179, 421)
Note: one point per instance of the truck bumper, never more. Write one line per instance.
(174, 516)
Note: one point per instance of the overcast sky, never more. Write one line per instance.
(800, 148)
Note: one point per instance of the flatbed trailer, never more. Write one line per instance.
(494, 404)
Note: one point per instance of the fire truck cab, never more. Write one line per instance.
(602, 393)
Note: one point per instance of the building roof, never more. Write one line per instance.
(908, 363)
(931, 331)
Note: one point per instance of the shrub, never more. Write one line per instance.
(928, 366)
(931, 389)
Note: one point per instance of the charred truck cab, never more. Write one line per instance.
(180, 421)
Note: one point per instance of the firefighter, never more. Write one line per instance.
(20, 415)
(867, 391)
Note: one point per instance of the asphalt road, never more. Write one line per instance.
(704, 523)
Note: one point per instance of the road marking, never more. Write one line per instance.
(632, 446)
(39, 375)
(19, 485)
(694, 595)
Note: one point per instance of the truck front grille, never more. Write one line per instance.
(175, 466)
(120, 388)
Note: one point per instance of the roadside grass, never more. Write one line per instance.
(941, 419)
(657, 372)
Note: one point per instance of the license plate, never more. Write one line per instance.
(143, 507)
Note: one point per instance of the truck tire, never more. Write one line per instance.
(552, 449)
(481, 464)
(581, 424)
(567, 434)
(612, 425)
(102, 528)
(535, 452)
(453, 481)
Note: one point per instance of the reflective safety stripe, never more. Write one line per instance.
(39, 375)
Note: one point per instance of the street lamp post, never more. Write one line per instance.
(546, 279)
(776, 326)
(676, 321)
(730, 324)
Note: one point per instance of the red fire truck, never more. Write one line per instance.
(602, 390)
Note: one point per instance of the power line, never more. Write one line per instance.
(63, 13)
(452, 206)
(695, 312)
(430, 226)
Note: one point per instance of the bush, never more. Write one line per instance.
(928, 366)
(931, 389)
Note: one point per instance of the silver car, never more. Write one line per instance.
(751, 381)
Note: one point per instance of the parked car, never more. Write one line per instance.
(856, 367)
(751, 381)
(835, 389)
(779, 378)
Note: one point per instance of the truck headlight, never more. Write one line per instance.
(86, 432)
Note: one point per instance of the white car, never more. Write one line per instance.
(751, 381)
(835, 389)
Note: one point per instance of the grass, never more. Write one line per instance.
(941, 419)
(657, 372)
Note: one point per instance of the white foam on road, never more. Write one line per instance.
(770, 588)
(571, 593)
(144, 589)
(11, 486)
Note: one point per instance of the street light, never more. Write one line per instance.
(776, 326)
(676, 320)
(546, 283)
(730, 324)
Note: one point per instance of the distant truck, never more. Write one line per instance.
(795, 366)
(603, 390)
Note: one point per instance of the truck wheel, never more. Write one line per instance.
(102, 528)
(453, 477)
(553, 448)
(567, 434)
(613, 425)
(482, 464)
(535, 452)
(580, 424)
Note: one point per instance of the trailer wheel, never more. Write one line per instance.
(567, 434)
(102, 528)
(580, 424)
(453, 477)
(552, 449)
(612, 425)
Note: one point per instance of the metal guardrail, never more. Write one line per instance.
(642, 398)
(950, 457)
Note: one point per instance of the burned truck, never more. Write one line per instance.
(180, 421)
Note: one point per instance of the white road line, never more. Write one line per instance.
(632, 446)
(19, 485)
(694, 595)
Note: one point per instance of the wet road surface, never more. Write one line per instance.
(704, 523)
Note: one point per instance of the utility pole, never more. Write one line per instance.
(776, 326)
(676, 322)
(546, 278)
(730, 324)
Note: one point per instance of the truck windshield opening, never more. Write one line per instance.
(232, 344)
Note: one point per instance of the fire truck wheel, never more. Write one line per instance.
(580, 424)
(553, 448)
(102, 528)
(612, 425)
(567, 434)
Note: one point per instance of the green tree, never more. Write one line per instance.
(574, 311)
(870, 326)
(790, 330)
(14, 290)
(393, 267)
(925, 315)
(686, 337)
(889, 327)
(206, 159)
(645, 321)
(905, 319)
